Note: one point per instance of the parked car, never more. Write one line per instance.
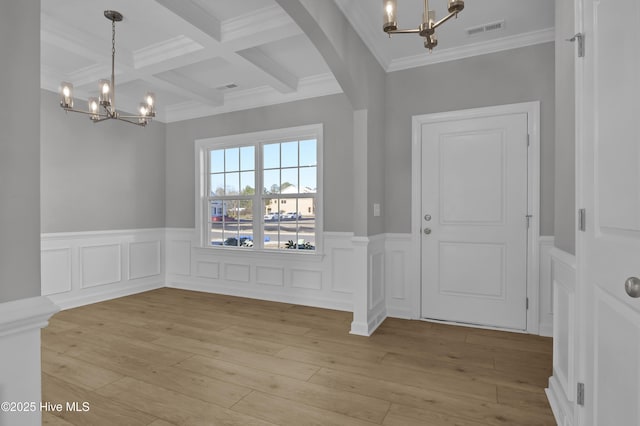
(219, 218)
(292, 215)
(272, 216)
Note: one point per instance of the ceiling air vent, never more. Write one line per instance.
(493, 26)
(227, 86)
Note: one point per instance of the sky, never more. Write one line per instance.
(292, 162)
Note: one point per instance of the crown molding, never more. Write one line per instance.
(475, 49)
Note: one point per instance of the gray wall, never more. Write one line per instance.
(19, 150)
(333, 111)
(513, 76)
(99, 176)
(565, 211)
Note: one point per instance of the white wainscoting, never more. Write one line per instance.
(79, 268)
(402, 280)
(561, 390)
(325, 280)
(545, 304)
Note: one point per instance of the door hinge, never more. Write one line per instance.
(579, 37)
(528, 139)
(527, 303)
(529, 216)
(582, 220)
(580, 394)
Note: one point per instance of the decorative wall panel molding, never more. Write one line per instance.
(562, 385)
(79, 268)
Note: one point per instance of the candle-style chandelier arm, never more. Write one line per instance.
(428, 23)
(103, 107)
(445, 19)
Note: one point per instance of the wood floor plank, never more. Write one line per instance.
(50, 419)
(395, 374)
(526, 379)
(433, 400)
(102, 411)
(182, 358)
(400, 415)
(287, 368)
(281, 411)
(312, 394)
(168, 405)
(76, 371)
(195, 385)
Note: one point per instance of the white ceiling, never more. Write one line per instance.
(186, 50)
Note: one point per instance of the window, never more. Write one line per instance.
(261, 191)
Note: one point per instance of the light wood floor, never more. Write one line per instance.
(173, 357)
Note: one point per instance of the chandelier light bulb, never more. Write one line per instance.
(389, 17)
(66, 95)
(105, 89)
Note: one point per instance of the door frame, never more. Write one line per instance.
(532, 109)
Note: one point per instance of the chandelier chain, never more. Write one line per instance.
(113, 60)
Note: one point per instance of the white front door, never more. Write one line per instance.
(475, 207)
(608, 252)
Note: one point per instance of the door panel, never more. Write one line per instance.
(474, 187)
(608, 252)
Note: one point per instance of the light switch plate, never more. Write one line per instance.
(376, 209)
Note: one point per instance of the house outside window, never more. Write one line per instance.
(261, 191)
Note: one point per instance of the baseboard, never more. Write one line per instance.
(561, 409)
(229, 290)
(75, 300)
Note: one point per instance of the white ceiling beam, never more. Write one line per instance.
(283, 81)
(321, 40)
(196, 16)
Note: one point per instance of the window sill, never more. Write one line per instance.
(303, 255)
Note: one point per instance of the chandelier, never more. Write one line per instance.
(103, 107)
(429, 24)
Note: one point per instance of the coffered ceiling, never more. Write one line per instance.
(200, 57)
(205, 57)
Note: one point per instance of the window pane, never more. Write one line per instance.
(271, 223)
(289, 183)
(271, 181)
(247, 158)
(217, 184)
(289, 154)
(232, 184)
(306, 224)
(291, 229)
(247, 183)
(308, 152)
(232, 223)
(232, 159)
(271, 154)
(216, 161)
(308, 180)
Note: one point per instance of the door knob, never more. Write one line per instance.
(632, 286)
(427, 231)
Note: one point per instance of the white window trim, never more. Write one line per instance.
(202, 146)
